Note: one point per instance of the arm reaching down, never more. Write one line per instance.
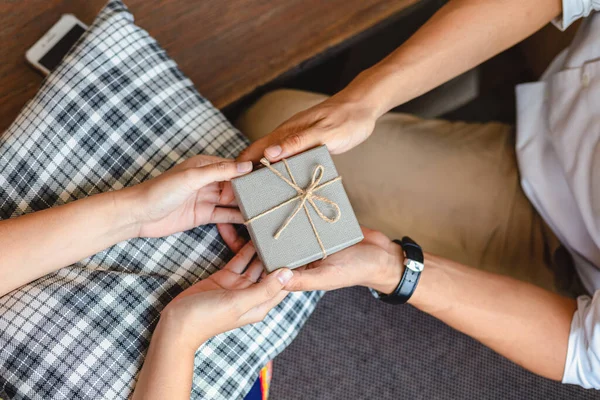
(523, 322)
(461, 35)
(225, 300)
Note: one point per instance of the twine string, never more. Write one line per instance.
(305, 196)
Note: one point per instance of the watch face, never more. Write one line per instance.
(413, 265)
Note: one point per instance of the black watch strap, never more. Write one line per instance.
(413, 261)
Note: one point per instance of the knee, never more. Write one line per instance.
(274, 108)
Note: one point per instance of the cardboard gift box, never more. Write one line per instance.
(297, 210)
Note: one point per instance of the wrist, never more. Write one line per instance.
(431, 284)
(390, 271)
(364, 92)
(113, 213)
(174, 327)
(386, 85)
(371, 89)
(168, 336)
(124, 204)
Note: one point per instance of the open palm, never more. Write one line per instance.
(239, 294)
(360, 265)
(240, 272)
(364, 264)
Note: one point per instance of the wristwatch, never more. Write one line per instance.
(413, 261)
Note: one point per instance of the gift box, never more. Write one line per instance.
(297, 210)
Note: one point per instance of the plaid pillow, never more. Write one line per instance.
(116, 112)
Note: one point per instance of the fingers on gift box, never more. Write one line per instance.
(297, 210)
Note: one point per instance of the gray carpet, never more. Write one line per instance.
(354, 347)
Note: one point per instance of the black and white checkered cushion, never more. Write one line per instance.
(116, 112)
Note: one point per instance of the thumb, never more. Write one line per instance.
(217, 172)
(267, 289)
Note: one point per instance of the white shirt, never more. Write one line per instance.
(558, 150)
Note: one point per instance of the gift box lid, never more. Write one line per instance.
(297, 245)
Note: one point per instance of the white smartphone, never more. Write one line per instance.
(47, 52)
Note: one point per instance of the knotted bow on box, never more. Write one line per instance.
(304, 196)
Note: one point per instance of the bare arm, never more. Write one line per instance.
(182, 198)
(523, 322)
(168, 367)
(39, 243)
(225, 300)
(458, 37)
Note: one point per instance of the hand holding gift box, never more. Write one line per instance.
(297, 210)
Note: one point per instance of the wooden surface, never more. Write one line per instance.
(227, 47)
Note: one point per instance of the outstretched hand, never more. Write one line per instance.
(337, 122)
(375, 262)
(239, 294)
(186, 196)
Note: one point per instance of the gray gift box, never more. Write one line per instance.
(268, 201)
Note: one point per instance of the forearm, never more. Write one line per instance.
(168, 367)
(460, 36)
(524, 323)
(36, 244)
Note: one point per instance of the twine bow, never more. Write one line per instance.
(305, 196)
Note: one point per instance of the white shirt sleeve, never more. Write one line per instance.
(573, 10)
(582, 366)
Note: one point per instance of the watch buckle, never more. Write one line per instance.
(413, 265)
